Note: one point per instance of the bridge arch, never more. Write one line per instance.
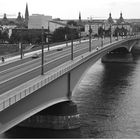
(122, 49)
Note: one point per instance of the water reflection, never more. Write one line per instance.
(112, 103)
(19, 132)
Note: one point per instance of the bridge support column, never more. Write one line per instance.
(60, 116)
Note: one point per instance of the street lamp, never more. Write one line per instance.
(79, 29)
(122, 31)
(126, 31)
(102, 35)
(42, 46)
(104, 29)
(90, 32)
(21, 47)
(48, 36)
(117, 32)
(66, 39)
(21, 50)
(129, 32)
(110, 33)
(72, 42)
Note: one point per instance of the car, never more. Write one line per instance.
(59, 49)
(35, 55)
(35, 46)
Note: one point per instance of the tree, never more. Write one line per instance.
(4, 36)
(59, 34)
(100, 31)
(72, 22)
(0, 36)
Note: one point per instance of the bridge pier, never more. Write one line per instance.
(63, 115)
(136, 48)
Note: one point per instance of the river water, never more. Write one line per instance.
(108, 99)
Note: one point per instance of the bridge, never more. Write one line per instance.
(25, 94)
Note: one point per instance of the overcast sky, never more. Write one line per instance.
(69, 9)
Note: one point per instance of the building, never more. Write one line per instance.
(123, 26)
(107, 24)
(37, 21)
(56, 23)
(95, 24)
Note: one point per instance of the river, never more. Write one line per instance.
(108, 99)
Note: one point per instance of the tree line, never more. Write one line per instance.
(61, 34)
(34, 36)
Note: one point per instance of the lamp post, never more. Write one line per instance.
(79, 29)
(102, 43)
(20, 47)
(117, 32)
(48, 36)
(104, 29)
(42, 46)
(72, 42)
(66, 39)
(127, 31)
(21, 50)
(122, 31)
(90, 32)
(110, 33)
(47, 41)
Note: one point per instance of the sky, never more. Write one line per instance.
(69, 9)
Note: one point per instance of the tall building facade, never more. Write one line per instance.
(37, 21)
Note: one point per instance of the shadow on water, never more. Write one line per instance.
(21, 132)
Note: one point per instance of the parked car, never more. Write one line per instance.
(35, 55)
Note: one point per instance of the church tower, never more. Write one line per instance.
(79, 16)
(120, 20)
(110, 20)
(26, 15)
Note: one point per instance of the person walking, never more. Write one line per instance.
(2, 59)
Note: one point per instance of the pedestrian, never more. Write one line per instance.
(97, 48)
(2, 59)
